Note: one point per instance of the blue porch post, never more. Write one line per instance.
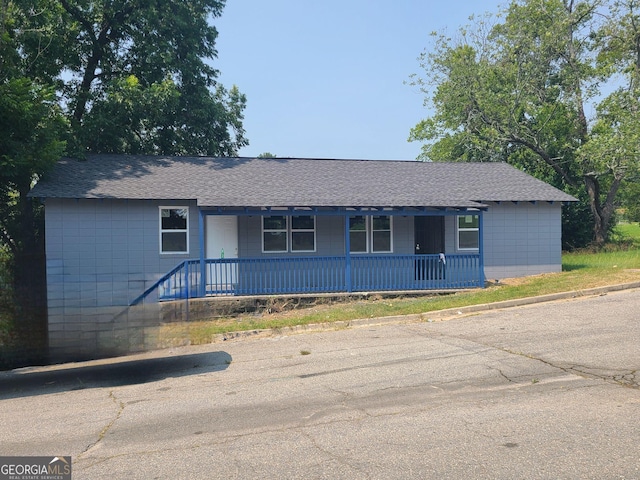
(203, 266)
(481, 248)
(187, 277)
(347, 253)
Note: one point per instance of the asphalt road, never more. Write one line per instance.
(536, 392)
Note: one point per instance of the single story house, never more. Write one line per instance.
(123, 230)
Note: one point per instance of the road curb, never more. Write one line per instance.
(436, 315)
(519, 302)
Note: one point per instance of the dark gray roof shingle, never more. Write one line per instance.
(252, 182)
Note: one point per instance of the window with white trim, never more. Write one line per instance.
(468, 232)
(274, 234)
(371, 234)
(303, 233)
(358, 233)
(174, 229)
(281, 234)
(381, 233)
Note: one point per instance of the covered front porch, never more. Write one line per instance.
(416, 258)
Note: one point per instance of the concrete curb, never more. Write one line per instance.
(519, 302)
(437, 315)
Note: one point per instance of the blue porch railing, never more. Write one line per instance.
(268, 276)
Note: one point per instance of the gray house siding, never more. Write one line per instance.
(450, 234)
(403, 238)
(522, 239)
(101, 254)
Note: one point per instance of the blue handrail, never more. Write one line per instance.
(180, 282)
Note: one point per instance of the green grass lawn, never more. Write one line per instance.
(629, 232)
(616, 264)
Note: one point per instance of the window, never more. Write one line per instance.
(358, 234)
(274, 234)
(370, 234)
(174, 229)
(468, 232)
(282, 233)
(303, 234)
(381, 234)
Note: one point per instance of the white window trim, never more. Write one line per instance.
(390, 234)
(302, 230)
(458, 230)
(161, 231)
(289, 231)
(367, 235)
(286, 230)
(368, 222)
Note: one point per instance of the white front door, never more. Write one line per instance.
(222, 242)
(222, 236)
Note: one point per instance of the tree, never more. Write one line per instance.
(31, 125)
(134, 76)
(31, 140)
(518, 91)
(32, 129)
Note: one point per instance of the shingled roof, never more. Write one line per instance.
(282, 182)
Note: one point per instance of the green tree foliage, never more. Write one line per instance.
(630, 200)
(517, 88)
(31, 140)
(135, 75)
(31, 135)
(31, 125)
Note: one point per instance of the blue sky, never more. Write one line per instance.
(326, 78)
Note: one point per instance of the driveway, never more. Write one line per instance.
(536, 392)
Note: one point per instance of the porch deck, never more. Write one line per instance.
(299, 275)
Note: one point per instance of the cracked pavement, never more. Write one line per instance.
(542, 391)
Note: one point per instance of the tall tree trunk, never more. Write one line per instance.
(602, 212)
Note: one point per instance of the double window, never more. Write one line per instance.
(174, 229)
(281, 234)
(371, 234)
(468, 232)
